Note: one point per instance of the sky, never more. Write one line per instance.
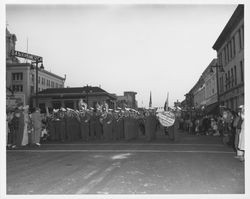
(159, 48)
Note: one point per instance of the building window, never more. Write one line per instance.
(228, 79)
(52, 84)
(242, 36)
(230, 50)
(32, 90)
(220, 59)
(240, 39)
(225, 56)
(222, 83)
(33, 78)
(233, 45)
(39, 79)
(227, 53)
(56, 85)
(17, 76)
(17, 88)
(43, 81)
(242, 71)
(235, 75)
(232, 77)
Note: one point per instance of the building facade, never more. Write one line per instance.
(198, 92)
(21, 76)
(70, 97)
(230, 55)
(127, 100)
(211, 86)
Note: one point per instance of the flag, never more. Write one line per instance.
(166, 104)
(150, 100)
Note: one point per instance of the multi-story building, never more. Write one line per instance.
(127, 100)
(21, 75)
(198, 92)
(230, 54)
(210, 79)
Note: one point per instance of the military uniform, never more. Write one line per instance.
(107, 126)
(95, 126)
(84, 125)
(115, 127)
(150, 127)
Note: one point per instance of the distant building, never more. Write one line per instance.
(69, 97)
(127, 100)
(211, 95)
(199, 93)
(230, 54)
(209, 76)
(21, 77)
(203, 96)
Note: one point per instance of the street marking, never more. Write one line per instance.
(116, 151)
(132, 144)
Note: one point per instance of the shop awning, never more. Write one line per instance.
(212, 108)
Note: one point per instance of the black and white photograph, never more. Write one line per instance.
(115, 99)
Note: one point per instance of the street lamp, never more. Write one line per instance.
(219, 68)
(42, 68)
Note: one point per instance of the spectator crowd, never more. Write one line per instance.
(229, 125)
(27, 126)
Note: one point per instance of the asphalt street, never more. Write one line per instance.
(189, 165)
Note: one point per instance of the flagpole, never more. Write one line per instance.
(150, 100)
(27, 47)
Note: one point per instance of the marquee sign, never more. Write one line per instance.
(26, 56)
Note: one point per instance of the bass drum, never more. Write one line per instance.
(166, 118)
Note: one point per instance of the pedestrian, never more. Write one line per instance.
(10, 115)
(26, 118)
(197, 127)
(37, 127)
(15, 129)
(241, 145)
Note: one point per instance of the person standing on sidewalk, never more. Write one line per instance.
(237, 127)
(36, 119)
(25, 138)
(241, 145)
(9, 129)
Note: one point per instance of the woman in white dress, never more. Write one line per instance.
(25, 139)
(241, 145)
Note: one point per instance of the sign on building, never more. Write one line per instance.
(26, 56)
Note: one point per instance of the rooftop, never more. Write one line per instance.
(233, 21)
(76, 91)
